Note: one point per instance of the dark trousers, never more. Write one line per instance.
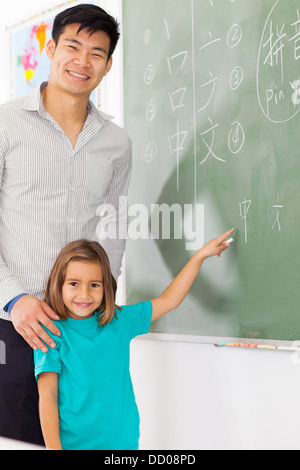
(19, 416)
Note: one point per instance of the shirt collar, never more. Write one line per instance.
(34, 102)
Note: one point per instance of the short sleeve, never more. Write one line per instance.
(137, 318)
(49, 361)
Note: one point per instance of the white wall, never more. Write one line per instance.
(194, 396)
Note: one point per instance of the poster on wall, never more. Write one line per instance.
(29, 64)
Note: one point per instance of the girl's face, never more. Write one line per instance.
(82, 290)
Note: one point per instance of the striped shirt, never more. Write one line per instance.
(50, 192)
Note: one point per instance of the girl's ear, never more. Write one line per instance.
(102, 306)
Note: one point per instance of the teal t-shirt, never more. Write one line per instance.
(96, 401)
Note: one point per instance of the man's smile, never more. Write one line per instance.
(78, 75)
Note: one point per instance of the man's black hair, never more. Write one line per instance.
(90, 17)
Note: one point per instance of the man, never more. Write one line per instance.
(60, 159)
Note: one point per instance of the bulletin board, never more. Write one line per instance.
(28, 62)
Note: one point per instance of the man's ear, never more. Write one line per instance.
(108, 66)
(50, 48)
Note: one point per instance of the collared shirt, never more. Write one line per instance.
(50, 192)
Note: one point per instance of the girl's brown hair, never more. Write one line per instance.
(82, 250)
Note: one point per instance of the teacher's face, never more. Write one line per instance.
(79, 61)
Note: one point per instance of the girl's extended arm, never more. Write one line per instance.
(172, 297)
(48, 405)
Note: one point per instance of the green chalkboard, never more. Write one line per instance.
(212, 100)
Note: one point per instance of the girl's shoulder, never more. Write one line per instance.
(135, 318)
(139, 307)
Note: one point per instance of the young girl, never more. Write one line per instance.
(86, 395)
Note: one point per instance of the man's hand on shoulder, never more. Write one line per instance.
(28, 316)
